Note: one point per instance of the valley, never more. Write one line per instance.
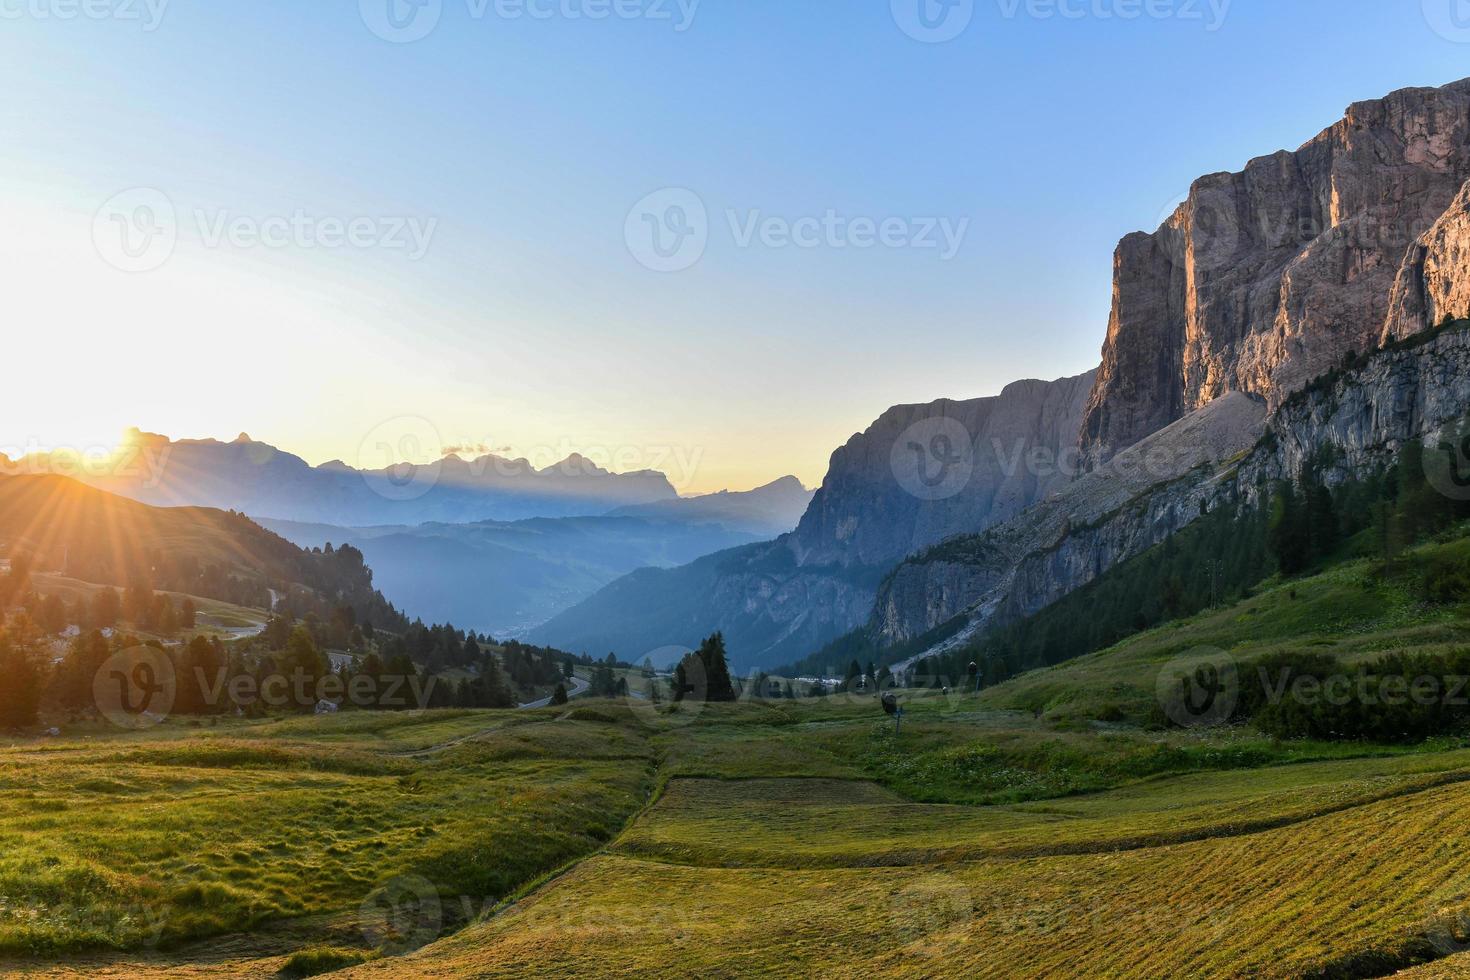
(1158, 669)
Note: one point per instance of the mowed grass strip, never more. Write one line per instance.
(138, 842)
(826, 823)
(1360, 892)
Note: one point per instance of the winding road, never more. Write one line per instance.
(579, 686)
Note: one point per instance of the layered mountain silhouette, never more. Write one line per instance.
(258, 479)
(490, 544)
(504, 578)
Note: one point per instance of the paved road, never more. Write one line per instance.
(579, 686)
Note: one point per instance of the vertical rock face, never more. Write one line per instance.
(1264, 279)
(1024, 443)
(1434, 284)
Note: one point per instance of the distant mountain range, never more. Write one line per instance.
(766, 511)
(504, 578)
(776, 602)
(260, 480)
(490, 544)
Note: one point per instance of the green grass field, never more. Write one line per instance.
(1045, 828)
(180, 833)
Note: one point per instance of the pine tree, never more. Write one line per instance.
(1287, 534)
(302, 655)
(188, 614)
(200, 679)
(716, 669)
(79, 669)
(106, 609)
(559, 696)
(20, 683)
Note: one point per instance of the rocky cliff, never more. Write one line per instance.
(918, 475)
(873, 508)
(1264, 279)
(1420, 390)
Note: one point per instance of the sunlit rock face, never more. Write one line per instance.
(1265, 279)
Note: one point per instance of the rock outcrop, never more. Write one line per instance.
(1112, 513)
(1364, 418)
(780, 601)
(1263, 280)
(1434, 283)
(865, 515)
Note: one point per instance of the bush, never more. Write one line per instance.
(1446, 580)
(1402, 697)
(321, 959)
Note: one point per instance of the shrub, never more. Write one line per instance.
(321, 959)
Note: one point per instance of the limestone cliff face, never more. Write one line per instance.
(1018, 568)
(864, 515)
(1060, 545)
(1263, 280)
(1434, 283)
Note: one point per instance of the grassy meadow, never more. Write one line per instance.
(1048, 827)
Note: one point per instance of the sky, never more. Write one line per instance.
(715, 238)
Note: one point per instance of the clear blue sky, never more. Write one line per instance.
(528, 324)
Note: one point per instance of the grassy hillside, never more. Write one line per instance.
(62, 526)
(1354, 612)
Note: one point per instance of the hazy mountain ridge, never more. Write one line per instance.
(767, 511)
(504, 578)
(64, 526)
(259, 479)
(779, 601)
